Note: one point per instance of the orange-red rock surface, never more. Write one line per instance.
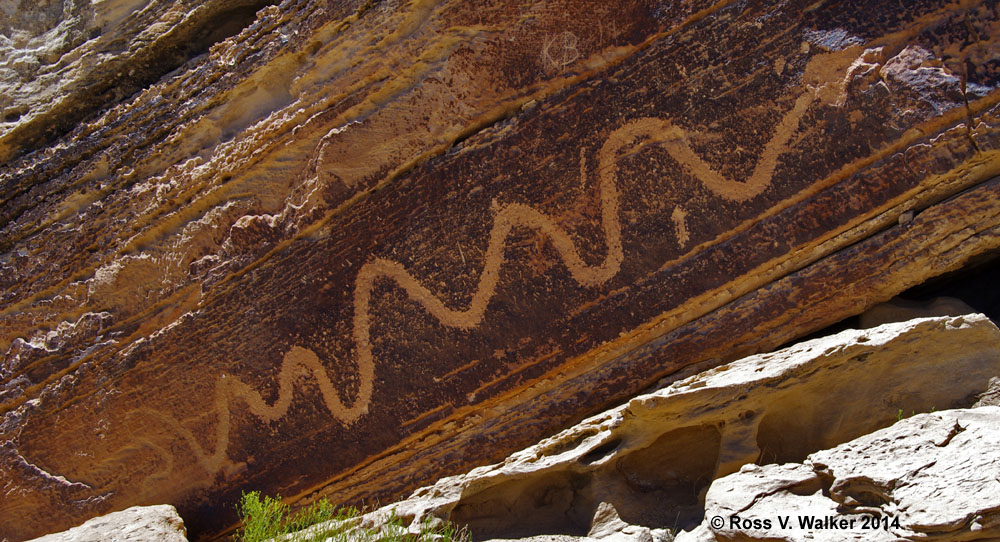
(360, 245)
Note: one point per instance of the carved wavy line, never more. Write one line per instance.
(677, 145)
(301, 362)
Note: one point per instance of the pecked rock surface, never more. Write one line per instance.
(356, 246)
(650, 461)
(929, 477)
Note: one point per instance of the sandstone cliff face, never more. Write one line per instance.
(714, 456)
(359, 245)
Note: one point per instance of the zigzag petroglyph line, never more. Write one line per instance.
(301, 362)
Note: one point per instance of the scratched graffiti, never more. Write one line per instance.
(560, 50)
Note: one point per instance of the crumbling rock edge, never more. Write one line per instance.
(930, 476)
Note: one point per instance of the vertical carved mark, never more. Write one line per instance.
(679, 217)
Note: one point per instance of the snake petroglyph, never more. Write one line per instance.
(301, 362)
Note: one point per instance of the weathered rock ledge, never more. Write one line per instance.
(653, 459)
(744, 443)
(61, 62)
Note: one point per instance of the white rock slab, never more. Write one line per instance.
(158, 523)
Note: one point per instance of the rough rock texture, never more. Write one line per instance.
(652, 459)
(607, 525)
(61, 61)
(359, 245)
(990, 397)
(929, 477)
(137, 524)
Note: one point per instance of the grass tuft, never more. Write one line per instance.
(267, 518)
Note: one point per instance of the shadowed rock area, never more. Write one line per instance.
(344, 249)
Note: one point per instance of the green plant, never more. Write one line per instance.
(267, 518)
(261, 519)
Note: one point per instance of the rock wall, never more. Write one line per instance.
(360, 245)
(63, 61)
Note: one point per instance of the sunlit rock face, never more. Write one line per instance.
(63, 61)
(345, 248)
(158, 523)
(925, 476)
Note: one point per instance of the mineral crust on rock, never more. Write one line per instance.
(355, 246)
(652, 459)
(929, 477)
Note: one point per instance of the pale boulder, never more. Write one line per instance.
(931, 476)
(158, 523)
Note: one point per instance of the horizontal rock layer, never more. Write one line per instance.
(361, 245)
